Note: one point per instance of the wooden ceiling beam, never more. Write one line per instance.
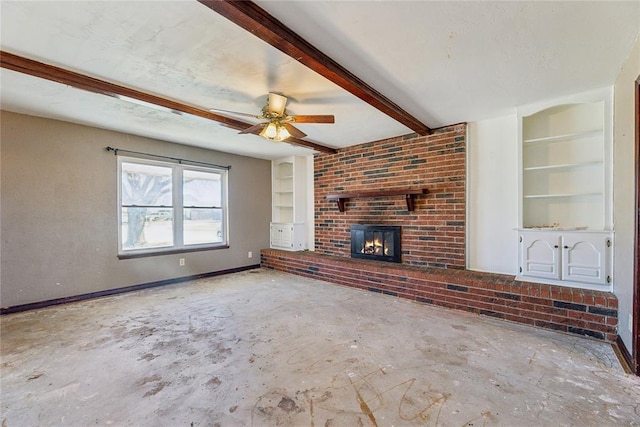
(80, 81)
(257, 21)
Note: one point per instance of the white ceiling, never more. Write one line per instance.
(443, 62)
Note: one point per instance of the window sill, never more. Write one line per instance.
(171, 252)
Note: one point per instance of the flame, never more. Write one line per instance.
(374, 247)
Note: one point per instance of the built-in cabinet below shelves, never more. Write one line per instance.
(566, 222)
(564, 257)
(289, 203)
(289, 236)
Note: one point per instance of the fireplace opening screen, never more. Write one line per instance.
(377, 242)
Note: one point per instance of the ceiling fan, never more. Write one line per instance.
(277, 124)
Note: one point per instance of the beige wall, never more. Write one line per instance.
(58, 227)
(623, 188)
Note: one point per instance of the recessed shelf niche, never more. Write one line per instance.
(563, 166)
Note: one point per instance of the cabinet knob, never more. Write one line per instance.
(566, 247)
(556, 246)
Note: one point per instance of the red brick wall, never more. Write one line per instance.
(434, 233)
(572, 310)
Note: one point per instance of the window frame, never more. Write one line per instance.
(177, 172)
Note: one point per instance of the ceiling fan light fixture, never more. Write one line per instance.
(274, 131)
(282, 133)
(276, 104)
(277, 124)
(270, 131)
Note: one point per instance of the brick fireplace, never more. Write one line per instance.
(376, 242)
(432, 221)
(433, 233)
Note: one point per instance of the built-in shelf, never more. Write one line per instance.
(410, 196)
(563, 166)
(548, 196)
(288, 228)
(568, 136)
(565, 234)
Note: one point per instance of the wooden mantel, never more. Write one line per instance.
(409, 195)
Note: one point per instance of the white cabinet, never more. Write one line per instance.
(566, 221)
(289, 203)
(288, 236)
(570, 258)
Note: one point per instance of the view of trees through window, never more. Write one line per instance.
(201, 192)
(170, 206)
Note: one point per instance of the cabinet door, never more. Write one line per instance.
(276, 235)
(287, 236)
(585, 258)
(540, 255)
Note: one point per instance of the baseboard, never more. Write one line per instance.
(624, 356)
(109, 292)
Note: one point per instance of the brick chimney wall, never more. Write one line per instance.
(434, 233)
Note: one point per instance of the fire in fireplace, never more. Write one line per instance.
(376, 242)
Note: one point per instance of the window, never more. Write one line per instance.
(169, 207)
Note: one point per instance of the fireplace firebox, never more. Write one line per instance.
(376, 242)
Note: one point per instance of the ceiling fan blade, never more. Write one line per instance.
(277, 104)
(253, 129)
(293, 131)
(217, 110)
(313, 119)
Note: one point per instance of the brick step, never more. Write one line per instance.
(578, 311)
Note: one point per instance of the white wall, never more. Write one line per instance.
(492, 195)
(492, 204)
(623, 189)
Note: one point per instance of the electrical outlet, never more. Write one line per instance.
(181, 262)
(630, 325)
(249, 254)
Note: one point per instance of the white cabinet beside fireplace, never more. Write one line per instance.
(566, 222)
(564, 257)
(289, 236)
(289, 203)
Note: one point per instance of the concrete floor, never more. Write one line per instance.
(263, 348)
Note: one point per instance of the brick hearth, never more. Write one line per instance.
(577, 311)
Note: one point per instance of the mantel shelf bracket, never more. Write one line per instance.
(409, 195)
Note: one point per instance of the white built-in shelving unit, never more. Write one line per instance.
(289, 203)
(566, 232)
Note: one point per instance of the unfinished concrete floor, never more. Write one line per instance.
(262, 348)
